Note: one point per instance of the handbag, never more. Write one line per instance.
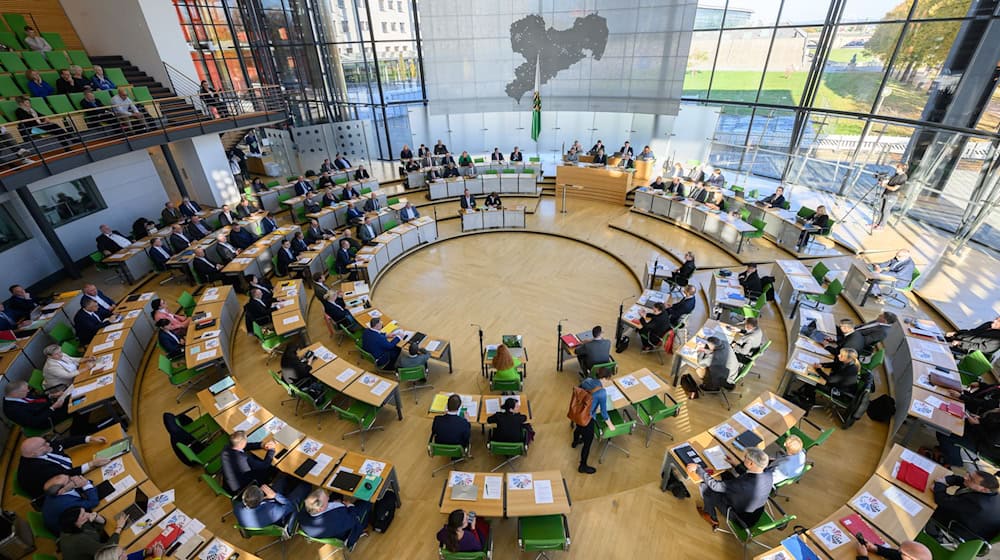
(668, 345)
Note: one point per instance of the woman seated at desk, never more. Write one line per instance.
(716, 201)
(505, 365)
(297, 371)
(841, 376)
(815, 223)
(178, 323)
(510, 424)
(464, 533)
(493, 201)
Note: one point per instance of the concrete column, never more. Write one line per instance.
(203, 164)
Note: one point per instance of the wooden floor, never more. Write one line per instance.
(523, 283)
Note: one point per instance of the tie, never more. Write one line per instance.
(60, 460)
(189, 207)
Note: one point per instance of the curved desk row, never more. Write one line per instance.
(418, 178)
(296, 205)
(492, 218)
(272, 198)
(513, 181)
(204, 347)
(372, 259)
(724, 229)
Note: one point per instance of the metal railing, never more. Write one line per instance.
(57, 136)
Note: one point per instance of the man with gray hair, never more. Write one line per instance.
(746, 493)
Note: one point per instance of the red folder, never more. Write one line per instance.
(913, 475)
(570, 340)
(166, 537)
(954, 409)
(854, 525)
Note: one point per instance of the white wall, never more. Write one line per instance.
(145, 32)
(203, 165)
(31, 260)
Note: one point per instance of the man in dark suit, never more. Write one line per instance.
(372, 204)
(30, 410)
(111, 241)
(285, 257)
(105, 305)
(433, 174)
(260, 506)
(984, 338)
(245, 208)
(189, 207)
(516, 155)
(302, 186)
(325, 180)
(63, 492)
(450, 428)
(682, 275)
(8, 322)
(224, 250)
(198, 229)
(267, 223)
(256, 310)
(382, 347)
(847, 337)
(316, 233)
(341, 162)
(899, 267)
(227, 217)
(329, 197)
(654, 326)
(240, 468)
(241, 237)
(20, 304)
(354, 215)
(626, 162)
(971, 501)
(41, 460)
(266, 290)
(170, 214)
(361, 173)
(348, 193)
(322, 519)
(626, 149)
(876, 331)
(367, 233)
(344, 258)
(440, 149)
(776, 200)
(408, 213)
(87, 322)
(178, 239)
(172, 344)
(206, 269)
(159, 253)
(746, 494)
(750, 281)
(336, 309)
(468, 201)
(685, 306)
(597, 350)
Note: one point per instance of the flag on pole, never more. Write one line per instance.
(536, 109)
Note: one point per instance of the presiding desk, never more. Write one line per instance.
(606, 184)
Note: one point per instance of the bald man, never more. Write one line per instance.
(41, 460)
(909, 550)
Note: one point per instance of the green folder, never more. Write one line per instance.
(365, 494)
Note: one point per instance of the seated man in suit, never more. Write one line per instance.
(326, 166)
(285, 258)
(626, 162)
(366, 232)
(493, 201)
(434, 173)
(63, 492)
(408, 213)
(224, 250)
(676, 187)
(413, 357)
(28, 409)
(325, 518)
(450, 171)
(984, 338)
(658, 184)
(750, 281)
(646, 154)
(516, 155)
(257, 310)
(382, 347)
(227, 217)
(341, 162)
(677, 310)
(626, 149)
(468, 201)
(245, 208)
(8, 323)
(971, 501)
(716, 179)
(900, 268)
(170, 214)
(361, 173)
(240, 469)
(372, 204)
(847, 337)
(749, 342)
(260, 506)
(317, 233)
(104, 303)
(299, 244)
(172, 344)
(87, 322)
(654, 326)
(682, 275)
(198, 229)
(41, 460)
(746, 494)
(302, 186)
(241, 237)
(111, 241)
(206, 269)
(267, 290)
(329, 197)
(21, 303)
(776, 200)
(600, 158)
(497, 155)
(595, 351)
(267, 223)
(344, 257)
(159, 253)
(450, 428)
(876, 331)
(325, 180)
(179, 240)
(189, 207)
(336, 309)
(355, 215)
(349, 193)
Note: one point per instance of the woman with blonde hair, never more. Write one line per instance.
(505, 365)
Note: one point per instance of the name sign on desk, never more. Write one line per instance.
(290, 320)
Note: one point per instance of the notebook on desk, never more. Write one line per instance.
(747, 440)
(464, 492)
(417, 338)
(346, 481)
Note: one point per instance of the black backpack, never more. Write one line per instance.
(384, 511)
(621, 344)
(882, 409)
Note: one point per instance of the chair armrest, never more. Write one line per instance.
(569, 500)
(673, 400)
(776, 506)
(966, 533)
(811, 423)
(566, 527)
(189, 409)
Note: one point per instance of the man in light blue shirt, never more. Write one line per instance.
(598, 407)
(789, 463)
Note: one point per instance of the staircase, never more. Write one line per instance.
(232, 138)
(172, 109)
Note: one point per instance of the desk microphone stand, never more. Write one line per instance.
(482, 350)
(559, 352)
(619, 327)
(652, 278)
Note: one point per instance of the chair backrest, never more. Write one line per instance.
(165, 365)
(415, 373)
(58, 59)
(875, 360)
(12, 62)
(805, 212)
(189, 454)
(37, 380)
(8, 88)
(186, 300)
(763, 348)
(744, 214)
(69, 348)
(761, 300)
(613, 366)
(55, 40)
(258, 331)
(913, 278)
(819, 271)
(116, 76)
(80, 58)
(834, 289)
(60, 103)
(758, 224)
(506, 448)
(822, 437)
(62, 332)
(9, 40)
(35, 61)
(281, 382)
(40, 106)
(215, 486)
(443, 554)
(445, 450)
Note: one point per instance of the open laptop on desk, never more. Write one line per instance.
(138, 509)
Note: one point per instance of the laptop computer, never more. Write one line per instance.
(137, 510)
(346, 481)
(287, 436)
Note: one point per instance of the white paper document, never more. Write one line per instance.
(207, 355)
(433, 345)
(381, 388)
(492, 487)
(290, 320)
(519, 481)
(717, 457)
(321, 462)
(614, 394)
(899, 497)
(650, 382)
(543, 492)
(345, 375)
(778, 406)
(245, 425)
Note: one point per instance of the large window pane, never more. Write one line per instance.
(789, 64)
(738, 67)
(699, 64)
(853, 73)
(875, 10)
(990, 119)
(804, 13)
(824, 154)
(729, 140)
(709, 15)
(11, 232)
(751, 13)
(70, 201)
(770, 136)
(918, 67)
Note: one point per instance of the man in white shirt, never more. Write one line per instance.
(110, 241)
(126, 110)
(408, 213)
(225, 251)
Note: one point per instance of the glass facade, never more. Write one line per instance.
(828, 94)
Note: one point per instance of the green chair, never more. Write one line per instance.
(512, 451)
(41, 107)
(594, 369)
(805, 213)
(286, 387)
(753, 311)
(964, 551)
(79, 58)
(181, 378)
(478, 160)
(757, 233)
(362, 414)
(12, 62)
(623, 425)
(829, 297)
(187, 303)
(896, 294)
(62, 332)
(60, 103)
(9, 108)
(508, 384)
(277, 531)
(71, 349)
(456, 453)
(353, 335)
(391, 201)
(40, 556)
(873, 361)
(37, 381)
(35, 61)
(653, 410)
(270, 343)
(389, 224)
(8, 88)
(55, 40)
(744, 214)
(973, 366)
(16, 22)
(819, 271)
(534, 159)
(724, 392)
(752, 195)
(339, 545)
(58, 59)
(217, 488)
(369, 357)
(808, 442)
(10, 41)
(736, 189)
(37, 524)
(322, 403)
(104, 96)
(272, 184)
(542, 533)
(116, 76)
(204, 459)
(768, 522)
(758, 354)
(416, 376)
(789, 481)
(484, 554)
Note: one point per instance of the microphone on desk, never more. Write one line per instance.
(559, 344)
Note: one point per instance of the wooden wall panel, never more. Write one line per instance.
(49, 16)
